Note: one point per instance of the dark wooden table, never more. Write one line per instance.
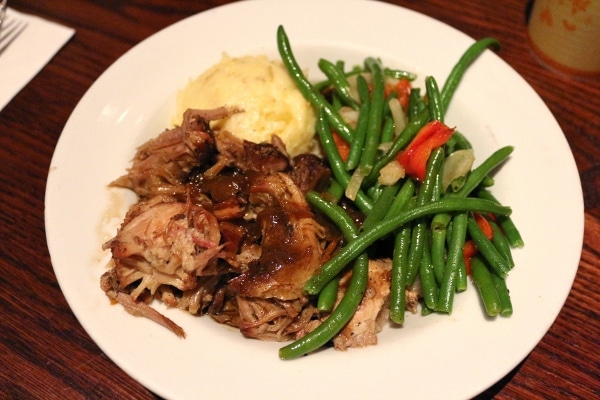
(45, 353)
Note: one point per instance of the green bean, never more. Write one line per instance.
(338, 81)
(399, 272)
(506, 308)
(438, 189)
(338, 318)
(335, 191)
(461, 276)
(375, 117)
(425, 311)
(336, 102)
(307, 89)
(461, 142)
(506, 223)
(459, 69)
(436, 108)
(335, 213)
(479, 173)
(450, 145)
(486, 182)
(428, 280)
(500, 241)
(336, 163)
(328, 295)
(362, 87)
(380, 207)
(440, 221)
(415, 253)
(429, 228)
(482, 277)
(387, 134)
(498, 263)
(438, 226)
(403, 200)
(406, 192)
(400, 74)
(415, 104)
(457, 183)
(356, 146)
(355, 247)
(438, 253)
(432, 173)
(374, 192)
(455, 256)
(419, 232)
(325, 83)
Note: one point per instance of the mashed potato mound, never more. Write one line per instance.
(263, 89)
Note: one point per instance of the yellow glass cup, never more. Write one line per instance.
(565, 34)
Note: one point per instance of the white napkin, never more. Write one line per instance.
(29, 53)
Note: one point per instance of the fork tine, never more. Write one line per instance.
(11, 29)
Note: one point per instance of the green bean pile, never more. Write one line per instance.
(428, 224)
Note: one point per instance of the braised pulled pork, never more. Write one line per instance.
(222, 228)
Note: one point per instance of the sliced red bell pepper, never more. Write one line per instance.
(414, 158)
(469, 250)
(342, 146)
(484, 225)
(402, 88)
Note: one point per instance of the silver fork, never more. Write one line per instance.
(10, 27)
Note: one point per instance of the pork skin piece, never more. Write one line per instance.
(164, 242)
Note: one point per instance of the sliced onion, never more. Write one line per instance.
(385, 146)
(397, 115)
(354, 184)
(457, 164)
(354, 85)
(349, 115)
(391, 173)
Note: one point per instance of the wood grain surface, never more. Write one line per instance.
(44, 351)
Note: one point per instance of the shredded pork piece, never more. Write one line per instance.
(164, 242)
(136, 308)
(368, 319)
(162, 165)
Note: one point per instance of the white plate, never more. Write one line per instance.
(438, 356)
